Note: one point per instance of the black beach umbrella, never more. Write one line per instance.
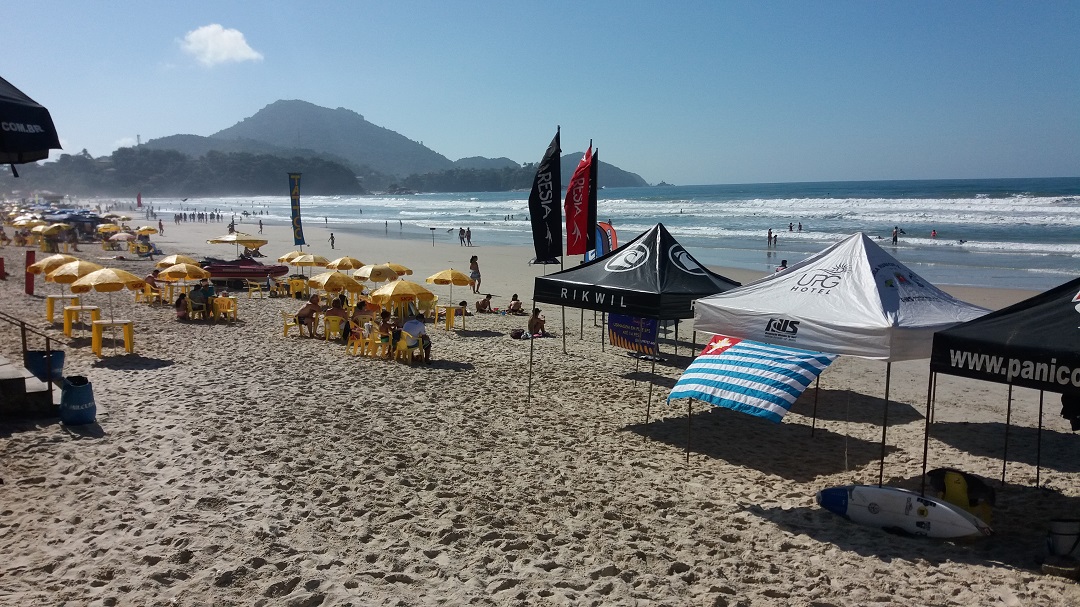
(26, 129)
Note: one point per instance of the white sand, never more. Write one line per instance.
(234, 466)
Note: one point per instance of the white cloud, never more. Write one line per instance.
(213, 44)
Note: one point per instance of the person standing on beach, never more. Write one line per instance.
(895, 231)
(800, 226)
(461, 236)
(260, 226)
(331, 240)
(474, 274)
(468, 237)
(768, 238)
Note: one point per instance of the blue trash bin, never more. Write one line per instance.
(77, 404)
(36, 362)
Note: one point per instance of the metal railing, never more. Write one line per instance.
(24, 330)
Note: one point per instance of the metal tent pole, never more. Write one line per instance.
(1008, 422)
(1038, 444)
(930, 381)
(817, 390)
(884, 425)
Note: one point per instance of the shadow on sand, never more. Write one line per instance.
(745, 440)
(131, 362)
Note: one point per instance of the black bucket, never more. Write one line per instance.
(37, 362)
(77, 404)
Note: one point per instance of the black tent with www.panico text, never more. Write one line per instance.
(1034, 343)
(652, 276)
(26, 129)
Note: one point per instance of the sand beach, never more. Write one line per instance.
(231, 465)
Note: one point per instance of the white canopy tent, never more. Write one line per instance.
(852, 298)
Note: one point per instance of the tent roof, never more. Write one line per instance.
(652, 276)
(1033, 343)
(852, 298)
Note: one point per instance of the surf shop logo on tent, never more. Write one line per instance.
(782, 328)
(821, 280)
(682, 260)
(632, 258)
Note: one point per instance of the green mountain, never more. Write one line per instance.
(342, 133)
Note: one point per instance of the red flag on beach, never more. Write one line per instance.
(577, 207)
(138, 200)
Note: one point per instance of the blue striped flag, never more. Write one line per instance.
(749, 376)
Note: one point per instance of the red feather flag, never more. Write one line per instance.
(577, 207)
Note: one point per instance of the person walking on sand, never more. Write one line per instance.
(461, 237)
(474, 274)
(260, 226)
(468, 238)
(331, 240)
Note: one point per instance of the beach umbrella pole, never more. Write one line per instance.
(532, 348)
(813, 419)
(884, 425)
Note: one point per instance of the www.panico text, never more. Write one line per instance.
(1013, 368)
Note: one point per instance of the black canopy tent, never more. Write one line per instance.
(652, 276)
(1034, 344)
(26, 128)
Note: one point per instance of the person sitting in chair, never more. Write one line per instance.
(181, 307)
(151, 279)
(198, 300)
(420, 339)
(307, 315)
(386, 330)
(483, 306)
(337, 310)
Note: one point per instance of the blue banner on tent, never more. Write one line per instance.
(633, 333)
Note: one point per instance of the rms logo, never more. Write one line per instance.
(782, 328)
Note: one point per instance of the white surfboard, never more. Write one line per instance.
(896, 509)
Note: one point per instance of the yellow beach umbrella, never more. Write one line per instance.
(399, 293)
(145, 230)
(71, 271)
(239, 239)
(107, 280)
(335, 282)
(50, 263)
(107, 227)
(450, 277)
(289, 256)
(309, 261)
(172, 260)
(345, 263)
(39, 230)
(400, 269)
(183, 271)
(375, 273)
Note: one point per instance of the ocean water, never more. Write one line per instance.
(1008, 233)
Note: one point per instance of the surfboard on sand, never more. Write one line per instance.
(900, 510)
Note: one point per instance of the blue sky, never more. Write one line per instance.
(685, 92)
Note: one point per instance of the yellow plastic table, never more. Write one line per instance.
(71, 315)
(99, 327)
(451, 312)
(50, 303)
